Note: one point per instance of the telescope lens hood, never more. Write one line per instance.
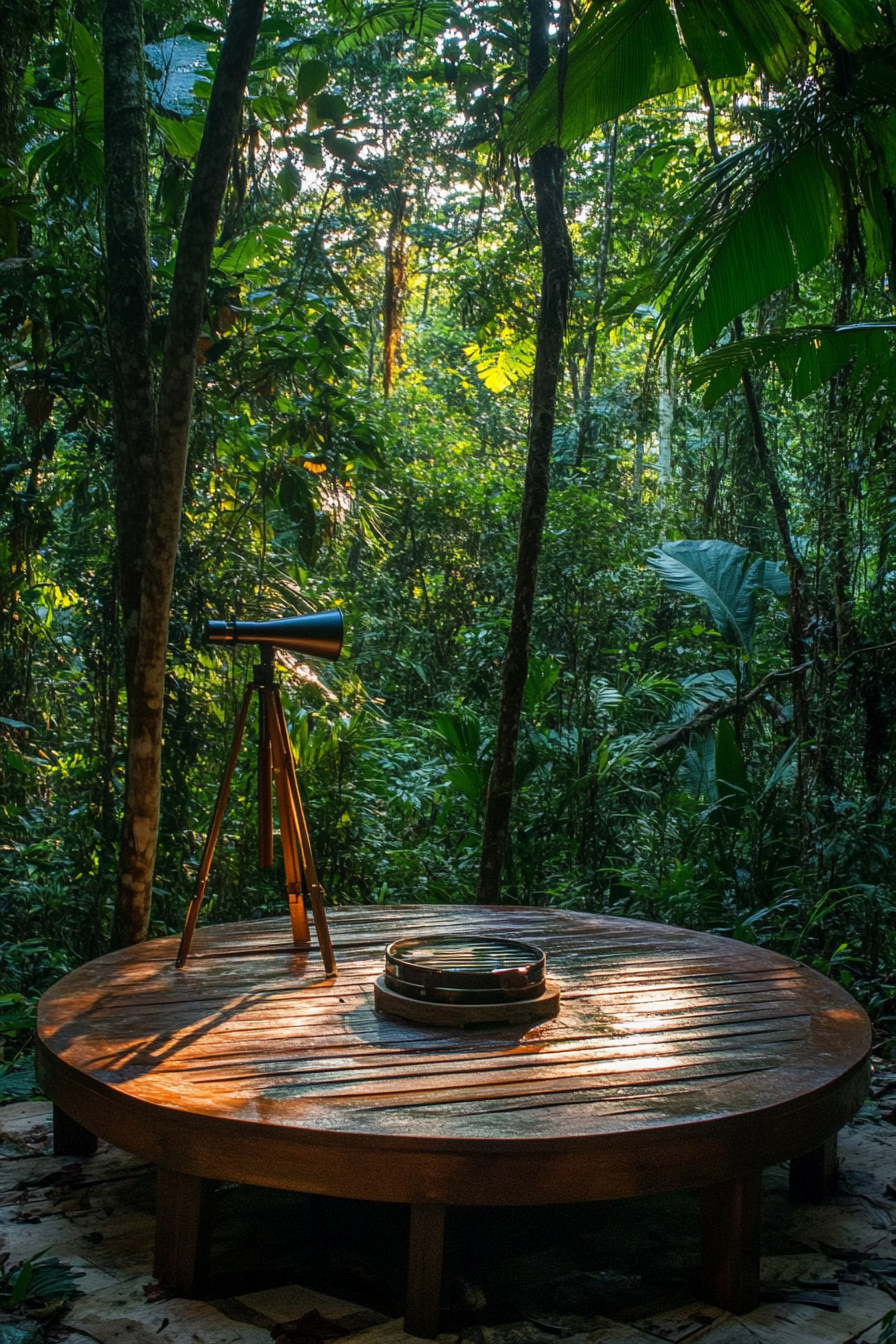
(317, 636)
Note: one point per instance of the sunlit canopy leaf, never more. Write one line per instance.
(413, 18)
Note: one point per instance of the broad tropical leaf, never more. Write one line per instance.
(90, 81)
(624, 54)
(788, 226)
(414, 18)
(617, 61)
(726, 577)
(776, 209)
(768, 36)
(701, 689)
(805, 357)
(854, 23)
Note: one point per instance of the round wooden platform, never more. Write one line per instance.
(678, 1060)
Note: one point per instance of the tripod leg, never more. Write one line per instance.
(315, 890)
(212, 838)
(288, 832)
(265, 799)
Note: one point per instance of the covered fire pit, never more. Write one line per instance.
(462, 981)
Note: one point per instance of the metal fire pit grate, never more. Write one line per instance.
(465, 981)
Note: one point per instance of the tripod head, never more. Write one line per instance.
(317, 636)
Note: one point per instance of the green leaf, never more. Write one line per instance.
(789, 225)
(805, 357)
(326, 108)
(461, 733)
(310, 79)
(854, 23)
(415, 18)
(340, 146)
(732, 784)
(784, 771)
(311, 151)
(541, 678)
(771, 34)
(289, 180)
(724, 576)
(182, 138)
(616, 62)
(21, 1285)
(714, 50)
(90, 80)
(467, 779)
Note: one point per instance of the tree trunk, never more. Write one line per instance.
(667, 416)
(395, 288)
(147, 691)
(794, 564)
(638, 469)
(600, 289)
(556, 279)
(22, 21)
(129, 299)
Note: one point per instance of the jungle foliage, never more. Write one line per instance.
(707, 728)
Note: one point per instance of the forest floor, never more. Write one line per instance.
(625, 1273)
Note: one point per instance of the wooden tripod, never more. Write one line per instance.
(276, 767)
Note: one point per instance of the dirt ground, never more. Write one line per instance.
(305, 1270)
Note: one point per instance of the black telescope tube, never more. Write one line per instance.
(317, 636)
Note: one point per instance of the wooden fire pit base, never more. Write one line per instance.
(431, 1014)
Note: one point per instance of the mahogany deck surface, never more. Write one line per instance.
(678, 1060)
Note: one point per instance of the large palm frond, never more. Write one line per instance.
(626, 53)
(776, 209)
(807, 357)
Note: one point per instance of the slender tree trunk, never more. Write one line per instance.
(21, 22)
(713, 481)
(147, 692)
(556, 280)
(667, 417)
(794, 564)
(600, 289)
(638, 470)
(129, 299)
(838, 412)
(573, 366)
(395, 288)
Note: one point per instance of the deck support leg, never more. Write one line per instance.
(813, 1176)
(729, 1218)
(71, 1139)
(183, 1231)
(421, 1315)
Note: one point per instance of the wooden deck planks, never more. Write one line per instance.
(666, 1024)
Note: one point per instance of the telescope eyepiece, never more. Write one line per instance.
(319, 635)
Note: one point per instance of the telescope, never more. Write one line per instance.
(319, 635)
